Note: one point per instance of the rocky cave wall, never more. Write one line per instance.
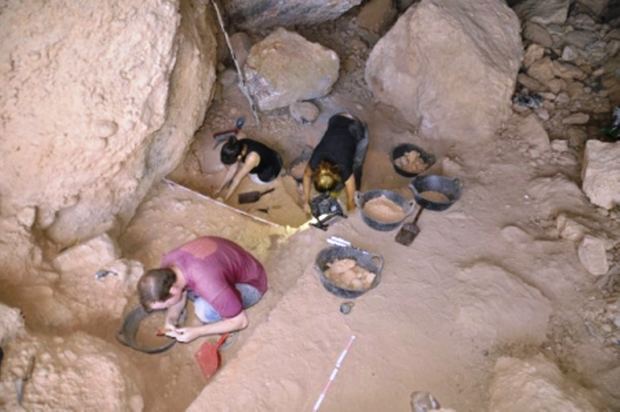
(100, 100)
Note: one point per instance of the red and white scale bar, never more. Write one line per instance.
(344, 353)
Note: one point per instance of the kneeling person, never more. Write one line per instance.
(219, 276)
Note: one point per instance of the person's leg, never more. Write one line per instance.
(360, 152)
(205, 312)
(249, 294)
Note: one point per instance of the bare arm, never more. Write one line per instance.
(251, 161)
(174, 312)
(188, 334)
(307, 188)
(229, 175)
(350, 190)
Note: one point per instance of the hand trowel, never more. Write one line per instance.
(208, 356)
(409, 231)
(253, 196)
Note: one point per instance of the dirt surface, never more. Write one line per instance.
(493, 276)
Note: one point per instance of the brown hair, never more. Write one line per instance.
(326, 177)
(154, 286)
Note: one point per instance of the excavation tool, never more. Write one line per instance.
(21, 382)
(242, 79)
(208, 356)
(430, 192)
(410, 230)
(222, 136)
(253, 196)
(332, 375)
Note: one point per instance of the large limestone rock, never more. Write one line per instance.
(601, 173)
(449, 65)
(535, 384)
(285, 68)
(260, 14)
(377, 15)
(593, 255)
(104, 99)
(543, 12)
(71, 373)
(11, 323)
(88, 257)
(597, 7)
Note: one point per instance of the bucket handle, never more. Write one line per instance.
(458, 182)
(378, 259)
(411, 187)
(358, 199)
(411, 203)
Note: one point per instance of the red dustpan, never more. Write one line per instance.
(208, 356)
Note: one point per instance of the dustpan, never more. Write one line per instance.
(208, 356)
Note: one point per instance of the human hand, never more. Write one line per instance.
(183, 335)
(169, 327)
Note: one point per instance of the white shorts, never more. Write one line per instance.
(256, 179)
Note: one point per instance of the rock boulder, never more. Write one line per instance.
(449, 66)
(104, 100)
(593, 256)
(11, 323)
(285, 67)
(88, 257)
(600, 173)
(535, 384)
(543, 12)
(260, 14)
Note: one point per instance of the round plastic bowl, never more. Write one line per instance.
(362, 198)
(369, 261)
(449, 187)
(401, 149)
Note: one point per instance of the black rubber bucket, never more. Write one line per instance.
(449, 187)
(369, 261)
(129, 330)
(405, 204)
(401, 149)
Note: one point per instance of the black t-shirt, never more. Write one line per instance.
(270, 161)
(337, 146)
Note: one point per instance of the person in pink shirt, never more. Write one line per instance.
(219, 276)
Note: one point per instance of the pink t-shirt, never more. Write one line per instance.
(212, 266)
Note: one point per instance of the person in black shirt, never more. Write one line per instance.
(262, 163)
(337, 160)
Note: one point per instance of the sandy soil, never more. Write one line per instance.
(482, 279)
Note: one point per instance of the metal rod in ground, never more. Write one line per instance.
(344, 353)
(240, 73)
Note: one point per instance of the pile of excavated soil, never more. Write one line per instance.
(383, 210)
(411, 162)
(433, 196)
(347, 274)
